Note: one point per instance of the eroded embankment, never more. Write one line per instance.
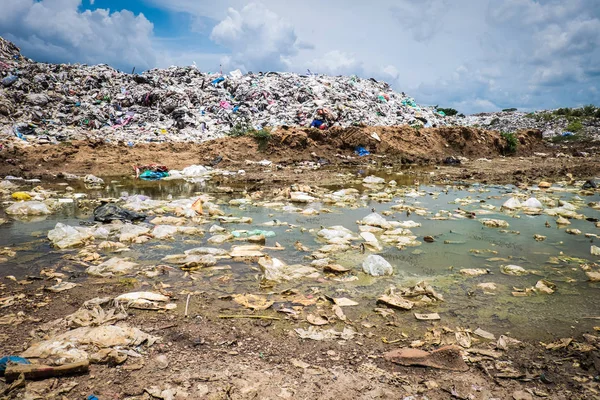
(397, 145)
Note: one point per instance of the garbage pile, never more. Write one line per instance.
(550, 124)
(46, 103)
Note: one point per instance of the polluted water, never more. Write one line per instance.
(496, 257)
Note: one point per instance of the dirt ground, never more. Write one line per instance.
(215, 358)
(301, 156)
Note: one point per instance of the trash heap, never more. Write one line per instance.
(546, 121)
(56, 102)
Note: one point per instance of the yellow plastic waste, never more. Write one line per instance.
(21, 196)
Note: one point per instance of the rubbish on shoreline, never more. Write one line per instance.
(376, 265)
(514, 270)
(321, 334)
(28, 209)
(111, 212)
(5, 361)
(447, 358)
(112, 266)
(427, 317)
(78, 344)
(396, 301)
(35, 371)
(151, 172)
(361, 151)
(144, 301)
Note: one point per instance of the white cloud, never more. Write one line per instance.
(466, 54)
(257, 37)
(335, 63)
(56, 31)
(423, 19)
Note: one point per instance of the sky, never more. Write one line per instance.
(472, 55)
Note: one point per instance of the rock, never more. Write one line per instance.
(522, 395)
(447, 358)
(301, 197)
(374, 180)
(376, 265)
(162, 361)
(532, 202)
(593, 276)
(590, 184)
(573, 231)
(544, 185)
(487, 286)
(545, 286)
(93, 180)
(111, 212)
(562, 221)
(512, 204)
(514, 270)
(429, 239)
(539, 238)
(113, 266)
(474, 271)
(595, 250)
(396, 301)
(494, 223)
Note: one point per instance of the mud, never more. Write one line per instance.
(217, 358)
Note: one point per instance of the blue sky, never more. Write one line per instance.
(473, 55)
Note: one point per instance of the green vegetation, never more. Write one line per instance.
(494, 121)
(240, 129)
(509, 109)
(448, 111)
(262, 136)
(566, 139)
(574, 126)
(511, 143)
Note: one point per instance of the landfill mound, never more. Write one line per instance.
(47, 103)
(391, 145)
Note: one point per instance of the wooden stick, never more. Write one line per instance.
(36, 371)
(187, 303)
(250, 316)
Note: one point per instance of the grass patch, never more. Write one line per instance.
(574, 126)
(511, 143)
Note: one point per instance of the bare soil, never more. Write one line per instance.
(217, 358)
(331, 150)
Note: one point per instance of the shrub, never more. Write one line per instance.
(574, 126)
(509, 109)
(240, 129)
(511, 142)
(448, 111)
(589, 110)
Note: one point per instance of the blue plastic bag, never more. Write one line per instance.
(218, 80)
(12, 359)
(316, 123)
(9, 80)
(361, 151)
(153, 175)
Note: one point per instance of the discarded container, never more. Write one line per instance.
(376, 265)
(28, 208)
(21, 196)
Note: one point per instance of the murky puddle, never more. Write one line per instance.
(461, 242)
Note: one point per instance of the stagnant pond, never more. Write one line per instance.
(452, 215)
